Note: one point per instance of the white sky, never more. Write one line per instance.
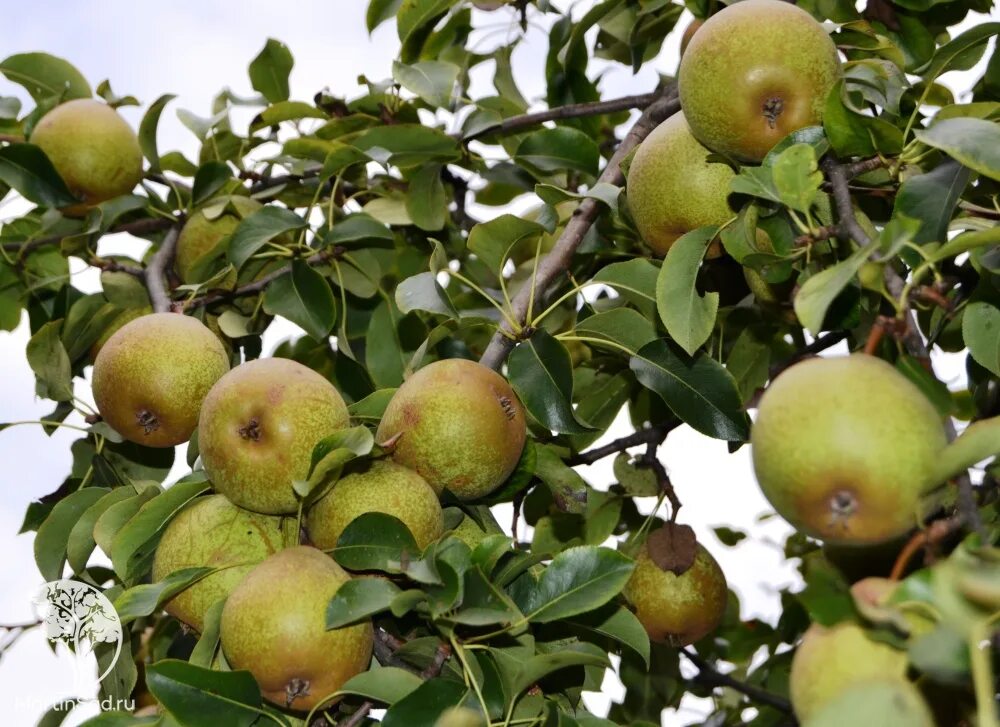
(195, 49)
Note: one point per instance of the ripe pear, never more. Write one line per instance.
(830, 660)
(383, 487)
(673, 188)
(458, 424)
(842, 448)
(211, 531)
(881, 701)
(677, 609)
(129, 314)
(200, 236)
(753, 73)
(152, 375)
(274, 626)
(258, 427)
(94, 150)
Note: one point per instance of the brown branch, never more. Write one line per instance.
(12, 138)
(932, 535)
(136, 227)
(820, 344)
(710, 676)
(643, 436)
(113, 266)
(569, 111)
(650, 460)
(854, 169)
(556, 262)
(155, 273)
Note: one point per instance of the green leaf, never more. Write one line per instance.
(827, 596)
(53, 533)
(973, 142)
(618, 623)
(635, 280)
(257, 229)
(541, 372)
(147, 130)
(492, 241)
(211, 177)
(426, 201)
(407, 145)
(423, 292)
(756, 182)
(426, 703)
(541, 665)
(286, 111)
(979, 441)
(931, 199)
(797, 177)
(625, 327)
(981, 332)
(577, 580)
(357, 229)
(961, 53)
(45, 76)
(144, 599)
(269, 71)
(698, 390)
(375, 541)
(359, 599)
(304, 297)
(204, 651)
(81, 543)
(568, 488)
(688, 316)
(200, 697)
(25, 168)
(433, 81)
(388, 684)
(372, 406)
(50, 362)
(965, 242)
(559, 149)
(379, 11)
(820, 290)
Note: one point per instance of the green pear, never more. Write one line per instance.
(274, 626)
(258, 427)
(881, 701)
(200, 236)
(677, 609)
(460, 717)
(842, 448)
(152, 375)
(458, 424)
(211, 531)
(830, 660)
(674, 188)
(129, 314)
(753, 73)
(380, 487)
(94, 150)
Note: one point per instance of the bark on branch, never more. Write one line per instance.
(156, 271)
(553, 265)
(710, 676)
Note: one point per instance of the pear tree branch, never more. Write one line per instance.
(156, 271)
(136, 227)
(712, 677)
(556, 262)
(649, 435)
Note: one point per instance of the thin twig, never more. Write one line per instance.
(556, 262)
(642, 436)
(155, 274)
(136, 227)
(709, 675)
(820, 344)
(854, 169)
(931, 535)
(12, 138)
(113, 266)
(569, 111)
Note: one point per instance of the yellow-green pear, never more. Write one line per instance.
(842, 448)
(879, 701)
(753, 73)
(129, 314)
(213, 532)
(274, 626)
(830, 660)
(676, 608)
(674, 188)
(460, 717)
(258, 427)
(200, 236)
(458, 424)
(153, 373)
(94, 150)
(384, 487)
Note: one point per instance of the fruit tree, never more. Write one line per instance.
(795, 223)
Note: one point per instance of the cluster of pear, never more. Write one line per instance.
(750, 75)
(453, 425)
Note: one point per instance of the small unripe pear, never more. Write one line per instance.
(153, 373)
(458, 424)
(830, 660)
(213, 532)
(94, 150)
(753, 73)
(674, 188)
(201, 235)
(676, 609)
(842, 448)
(258, 427)
(274, 626)
(383, 487)
(460, 717)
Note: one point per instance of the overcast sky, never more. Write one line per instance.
(194, 49)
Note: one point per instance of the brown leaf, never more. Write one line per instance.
(673, 548)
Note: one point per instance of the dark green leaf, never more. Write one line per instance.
(688, 316)
(257, 229)
(375, 541)
(541, 373)
(622, 326)
(147, 131)
(426, 201)
(931, 199)
(269, 71)
(433, 81)
(577, 580)
(142, 600)
(53, 534)
(50, 362)
(25, 167)
(559, 149)
(493, 240)
(387, 684)
(359, 599)
(819, 291)
(973, 142)
(200, 697)
(303, 296)
(618, 623)
(425, 704)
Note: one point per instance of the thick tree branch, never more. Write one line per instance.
(710, 676)
(136, 227)
(156, 271)
(569, 111)
(557, 261)
(643, 436)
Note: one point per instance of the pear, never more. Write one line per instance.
(460, 717)
(842, 448)
(380, 487)
(676, 606)
(458, 424)
(211, 531)
(881, 701)
(95, 151)
(200, 236)
(274, 626)
(753, 73)
(674, 188)
(152, 375)
(258, 427)
(129, 314)
(830, 660)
